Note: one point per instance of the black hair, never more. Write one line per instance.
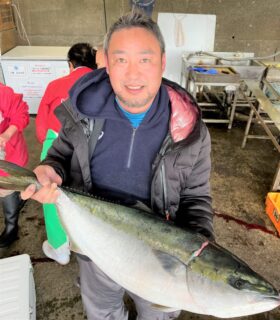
(82, 54)
(136, 18)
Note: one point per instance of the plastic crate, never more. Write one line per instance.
(273, 208)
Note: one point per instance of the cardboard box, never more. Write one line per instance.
(6, 15)
(273, 208)
(8, 40)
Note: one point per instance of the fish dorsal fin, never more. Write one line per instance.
(141, 206)
(170, 263)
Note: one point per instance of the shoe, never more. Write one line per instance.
(60, 255)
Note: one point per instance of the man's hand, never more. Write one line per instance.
(49, 180)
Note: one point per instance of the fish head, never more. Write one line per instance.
(243, 278)
(226, 287)
(253, 293)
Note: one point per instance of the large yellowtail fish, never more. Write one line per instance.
(173, 268)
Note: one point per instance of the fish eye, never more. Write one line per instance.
(238, 284)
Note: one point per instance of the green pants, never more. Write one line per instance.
(55, 232)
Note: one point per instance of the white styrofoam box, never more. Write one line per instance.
(29, 69)
(17, 289)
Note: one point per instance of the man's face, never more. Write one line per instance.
(135, 66)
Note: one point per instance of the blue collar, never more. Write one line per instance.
(134, 118)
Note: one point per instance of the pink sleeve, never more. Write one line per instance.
(15, 108)
(41, 120)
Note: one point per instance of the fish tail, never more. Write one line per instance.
(16, 178)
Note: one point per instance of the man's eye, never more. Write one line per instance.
(145, 60)
(121, 60)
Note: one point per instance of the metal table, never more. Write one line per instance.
(265, 107)
(200, 84)
(246, 69)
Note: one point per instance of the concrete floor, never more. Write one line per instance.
(240, 181)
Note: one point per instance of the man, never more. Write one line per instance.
(153, 147)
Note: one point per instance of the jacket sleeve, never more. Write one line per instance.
(59, 155)
(42, 117)
(15, 109)
(195, 209)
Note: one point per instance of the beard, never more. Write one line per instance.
(134, 102)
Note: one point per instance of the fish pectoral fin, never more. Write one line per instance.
(170, 263)
(158, 307)
(75, 248)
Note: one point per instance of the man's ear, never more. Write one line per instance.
(163, 62)
(106, 60)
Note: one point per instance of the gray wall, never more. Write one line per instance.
(246, 25)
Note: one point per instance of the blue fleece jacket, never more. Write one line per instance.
(121, 166)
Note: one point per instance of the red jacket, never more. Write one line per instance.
(56, 92)
(14, 111)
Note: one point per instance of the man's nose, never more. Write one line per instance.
(132, 70)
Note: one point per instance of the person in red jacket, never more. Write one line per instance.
(81, 59)
(14, 117)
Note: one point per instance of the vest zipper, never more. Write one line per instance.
(131, 147)
(164, 188)
(161, 168)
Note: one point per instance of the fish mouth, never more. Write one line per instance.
(272, 295)
(276, 298)
(273, 299)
